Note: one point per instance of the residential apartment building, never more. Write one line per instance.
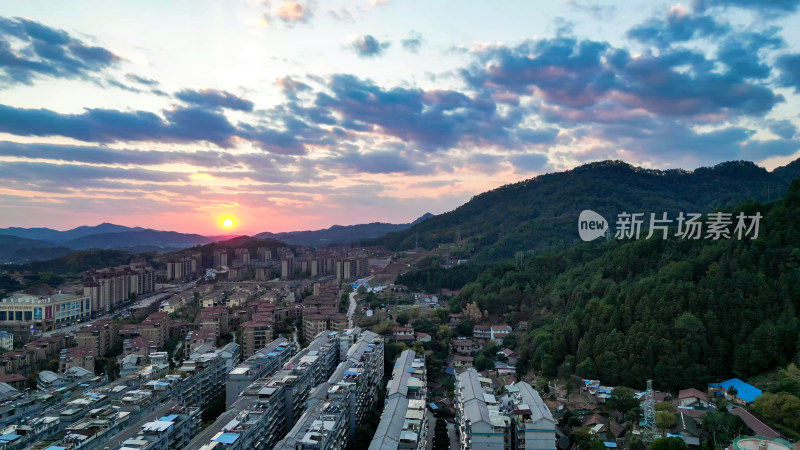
(99, 336)
(270, 406)
(479, 422)
(199, 339)
(155, 328)
(533, 426)
(351, 268)
(21, 313)
(317, 321)
(109, 287)
(263, 254)
(170, 432)
(255, 336)
(220, 258)
(184, 267)
(242, 256)
(6, 340)
(262, 363)
(404, 422)
(339, 406)
(94, 430)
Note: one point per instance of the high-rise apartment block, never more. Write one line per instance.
(108, 288)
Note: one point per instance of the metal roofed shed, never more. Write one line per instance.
(227, 438)
(158, 426)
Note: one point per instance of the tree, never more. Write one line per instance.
(636, 443)
(665, 419)
(781, 408)
(465, 328)
(473, 312)
(622, 399)
(723, 427)
(666, 406)
(585, 440)
(670, 443)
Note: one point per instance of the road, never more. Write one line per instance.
(431, 428)
(451, 431)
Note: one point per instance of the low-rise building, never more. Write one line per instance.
(22, 313)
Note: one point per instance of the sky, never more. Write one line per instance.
(292, 115)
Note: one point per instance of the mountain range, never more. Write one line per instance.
(339, 234)
(542, 212)
(537, 213)
(22, 245)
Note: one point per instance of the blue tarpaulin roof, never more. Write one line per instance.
(433, 406)
(744, 391)
(169, 418)
(610, 444)
(227, 438)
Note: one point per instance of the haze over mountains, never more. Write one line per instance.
(21, 245)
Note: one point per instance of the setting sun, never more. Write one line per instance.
(227, 222)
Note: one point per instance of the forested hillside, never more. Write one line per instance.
(682, 312)
(541, 212)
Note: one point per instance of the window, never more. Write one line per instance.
(18, 316)
(3, 315)
(28, 316)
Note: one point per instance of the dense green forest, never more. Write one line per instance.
(682, 312)
(54, 271)
(76, 262)
(541, 213)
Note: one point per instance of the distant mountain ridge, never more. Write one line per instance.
(341, 234)
(21, 250)
(51, 235)
(23, 245)
(542, 212)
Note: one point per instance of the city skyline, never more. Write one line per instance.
(290, 115)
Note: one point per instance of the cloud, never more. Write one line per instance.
(105, 155)
(434, 119)
(412, 43)
(680, 25)
(291, 87)
(213, 98)
(740, 52)
(764, 6)
(789, 66)
(141, 80)
(30, 50)
(528, 162)
(578, 74)
(783, 128)
(290, 12)
(366, 46)
(371, 162)
(182, 125)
